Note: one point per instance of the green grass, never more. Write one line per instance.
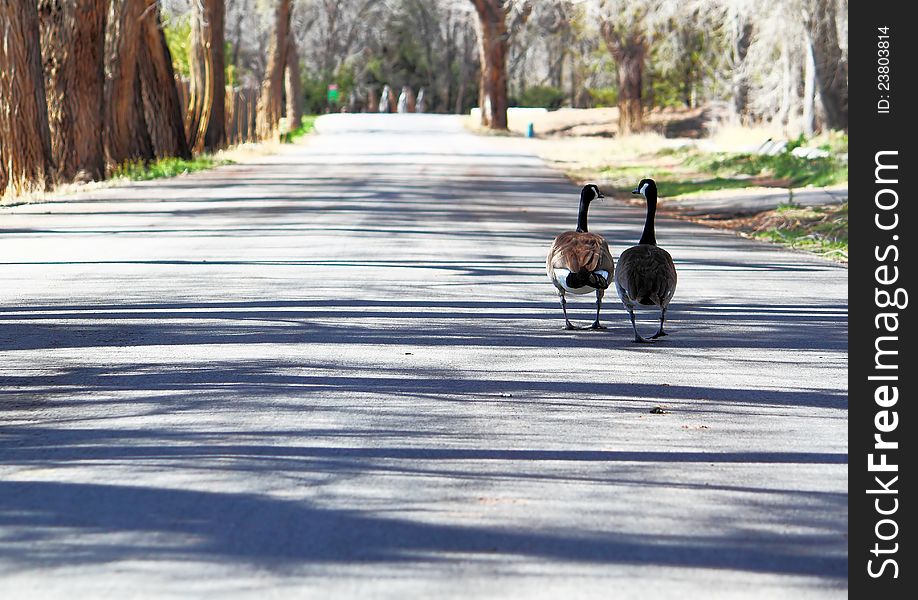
(170, 167)
(679, 187)
(787, 169)
(670, 183)
(691, 171)
(305, 127)
(166, 167)
(823, 230)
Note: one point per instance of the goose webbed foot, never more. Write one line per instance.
(596, 325)
(660, 333)
(638, 338)
(569, 326)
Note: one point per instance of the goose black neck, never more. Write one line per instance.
(582, 215)
(649, 237)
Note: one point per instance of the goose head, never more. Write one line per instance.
(647, 188)
(590, 192)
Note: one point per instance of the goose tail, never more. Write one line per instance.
(583, 277)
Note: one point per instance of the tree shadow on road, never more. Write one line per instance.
(790, 327)
(50, 524)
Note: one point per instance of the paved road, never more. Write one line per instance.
(341, 372)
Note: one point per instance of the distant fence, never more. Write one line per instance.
(241, 107)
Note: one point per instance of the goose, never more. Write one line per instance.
(580, 262)
(646, 273)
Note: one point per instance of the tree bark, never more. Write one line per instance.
(25, 138)
(629, 49)
(831, 70)
(162, 109)
(742, 39)
(788, 87)
(270, 105)
(809, 94)
(127, 138)
(294, 85)
(206, 124)
(215, 136)
(73, 50)
(492, 47)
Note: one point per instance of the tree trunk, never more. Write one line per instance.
(270, 106)
(372, 100)
(73, 49)
(831, 70)
(492, 46)
(741, 41)
(809, 94)
(162, 109)
(25, 139)
(294, 86)
(629, 49)
(126, 136)
(206, 121)
(215, 136)
(788, 89)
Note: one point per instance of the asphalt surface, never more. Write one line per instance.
(341, 372)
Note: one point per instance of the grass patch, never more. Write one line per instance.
(305, 127)
(679, 187)
(823, 230)
(166, 167)
(787, 169)
(670, 183)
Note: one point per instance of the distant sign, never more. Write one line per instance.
(333, 93)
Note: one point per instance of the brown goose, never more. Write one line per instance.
(646, 274)
(580, 262)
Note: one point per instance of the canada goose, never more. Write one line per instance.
(646, 273)
(580, 262)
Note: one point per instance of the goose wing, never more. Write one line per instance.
(575, 250)
(648, 275)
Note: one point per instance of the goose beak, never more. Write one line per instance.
(635, 191)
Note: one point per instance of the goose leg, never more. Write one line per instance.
(567, 322)
(637, 336)
(660, 332)
(599, 295)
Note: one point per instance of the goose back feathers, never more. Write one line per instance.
(646, 273)
(580, 262)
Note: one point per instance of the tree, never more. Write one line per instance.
(831, 70)
(271, 102)
(25, 138)
(493, 45)
(293, 85)
(628, 44)
(207, 121)
(163, 112)
(741, 36)
(73, 50)
(127, 138)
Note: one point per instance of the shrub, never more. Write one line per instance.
(602, 97)
(542, 97)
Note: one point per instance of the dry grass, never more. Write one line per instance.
(728, 137)
(819, 230)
